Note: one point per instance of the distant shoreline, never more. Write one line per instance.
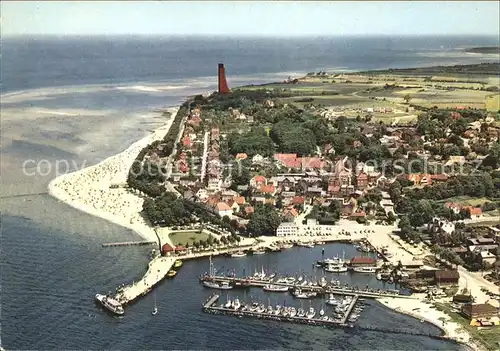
(484, 50)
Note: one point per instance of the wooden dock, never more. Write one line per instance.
(157, 270)
(349, 309)
(130, 243)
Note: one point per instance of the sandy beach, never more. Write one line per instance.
(88, 189)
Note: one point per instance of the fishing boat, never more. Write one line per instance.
(365, 269)
(177, 264)
(336, 268)
(216, 285)
(171, 273)
(275, 288)
(238, 254)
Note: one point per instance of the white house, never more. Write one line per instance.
(223, 209)
(214, 184)
(287, 229)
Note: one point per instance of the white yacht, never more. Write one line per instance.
(110, 304)
(275, 288)
(365, 269)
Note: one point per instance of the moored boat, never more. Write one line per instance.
(171, 273)
(110, 304)
(365, 269)
(215, 285)
(238, 254)
(177, 264)
(275, 288)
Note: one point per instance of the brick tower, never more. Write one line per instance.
(223, 88)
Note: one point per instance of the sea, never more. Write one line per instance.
(69, 102)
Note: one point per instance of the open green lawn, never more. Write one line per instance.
(467, 200)
(183, 238)
(489, 337)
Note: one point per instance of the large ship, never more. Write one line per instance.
(111, 304)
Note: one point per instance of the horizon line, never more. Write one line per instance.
(166, 35)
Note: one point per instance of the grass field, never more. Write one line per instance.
(183, 238)
(493, 103)
(467, 200)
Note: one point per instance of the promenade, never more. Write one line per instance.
(157, 270)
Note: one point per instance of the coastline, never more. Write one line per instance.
(419, 309)
(88, 189)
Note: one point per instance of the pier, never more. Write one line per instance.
(210, 307)
(157, 271)
(328, 289)
(130, 243)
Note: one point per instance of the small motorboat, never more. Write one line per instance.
(238, 254)
(177, 264)
(171, 273)
(275, 288)
(214, 285)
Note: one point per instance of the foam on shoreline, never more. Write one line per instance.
(88, 190)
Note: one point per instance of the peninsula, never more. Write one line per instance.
(405, 161)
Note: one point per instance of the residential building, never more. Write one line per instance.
(223, 209)
(446, 277)
(479, 310)
(287, 229)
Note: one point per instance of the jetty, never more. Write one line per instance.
(320, 290)
(130, 243)
(158, 268)
(210, 307)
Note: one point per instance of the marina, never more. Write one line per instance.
(281, 313)
(329, 288)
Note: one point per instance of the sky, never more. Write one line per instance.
(238, 18)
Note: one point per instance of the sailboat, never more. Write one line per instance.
(322, 310)
(155, 309)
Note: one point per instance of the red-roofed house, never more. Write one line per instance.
(242, 156)
(186, 141)
(475, 212)
(267, 189)
(298, 200)
(257, 181)
(311, 163)
(166, 249)
(240, 200)
(223, 209)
